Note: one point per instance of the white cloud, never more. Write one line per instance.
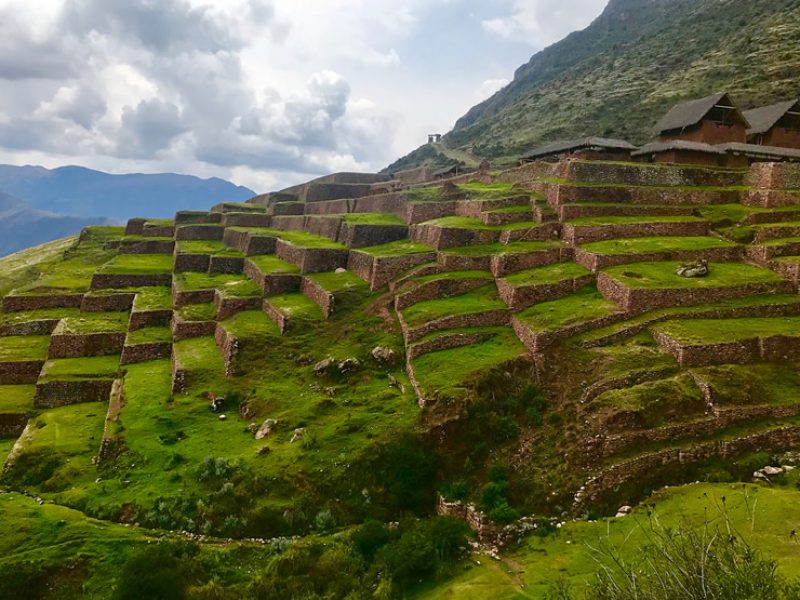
(542, 22)
(491, 87)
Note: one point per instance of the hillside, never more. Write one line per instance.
(22, 226)
(617, 77)
(286, 393)
(81, 192)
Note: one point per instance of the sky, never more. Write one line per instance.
(265, 93)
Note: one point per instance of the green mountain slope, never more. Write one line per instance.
(620, 74)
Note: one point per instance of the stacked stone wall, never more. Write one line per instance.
(184, 298)
(289, 222)
(197, 217)
(135, 226)
(272, 283)
(489, 318)
(419, 212)
(140, 353)
(319, 295)
(568, 212)
(279, 318)
(200, 233)
(739, 352)
(120, 302)
(228, 306)
(354, 235)
(191, 263)
(228, 346)
(34, 327)
(438, 288)
(378, 271)
(558, 195)
(184, 330)
(12, 425)
(523, 296)
(103, 281)
(441, 238)
(20, 372)
(648, 175)
(229, 265)
(634, 300)
(763, 254)
(141, 319)
(245, 220)
(582, 234)
(158, 231)
(146, 246)
(595, 261)
(539, 233)
(69, 345)
(445, 342)
(54, 394)
(312, 260)
(22, 303)
(505, 264)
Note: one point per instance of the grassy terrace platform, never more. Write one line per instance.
(620, 220)
(501, 249)
(135, 264)
(656, 244)
(23, 348)
(27, 316)
(227, 285)
(152, 298)
(205, 311)
(69, 431)
(269, 264)
(399, 248)
(251, 325)
(212, 248)
(759, 384)
(16, 399)
(149, 335)
(338, 283)
(373, 219)
(296, 307)
(480, 300)
(73, 369)
(663, 276)
(547, 274)
(720, 331)
(93, 323)
(200, 357)
(457, 222)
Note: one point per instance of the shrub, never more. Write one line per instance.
(152, 572)
(369, 538)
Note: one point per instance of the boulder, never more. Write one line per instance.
(695, 269)
(384, 355)
(349, 365)
(324, 366)
(267, 427)
(624, 511)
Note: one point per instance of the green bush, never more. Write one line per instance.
(152, 572)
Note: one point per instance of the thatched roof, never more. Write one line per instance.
(579, 144)
(766, 153)
(687, 114)
(448, 170)
(763, 119)
(679, 145)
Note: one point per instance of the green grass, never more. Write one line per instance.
(148, 335)
(16, 399)
(152, 298)
(662, 275)
(726, 213)
(656, 244)
(548, 274)
(339, 282)
(252, 324)
(694, 332)
(26, 265)
(24, 348)
(27, 316)
(764, 515)
(94, 323)
(511, 210)
(160, 222)
(781, 241)
(66, 369)
(585, 305)
(302, 239)
(138, 264)
(446, 372)
(199, 354)
(228, 285)
(456, 275)
(374, 219)
(296, 306)
(198, 312)
(476, 301)
(213, 248)
(457, 222)
(492, 249)
(270, 264)
(399, 248)
(69, 431)
(618, 220)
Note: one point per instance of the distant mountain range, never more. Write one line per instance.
(39, 205)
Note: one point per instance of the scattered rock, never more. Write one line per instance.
(624, 511)
(263, 451)
(223, 417)
(217, 404)
(349, 365)
(252, 428)
(384, 355)
(694, 269)
(324, 366)
(340, 270)
(772, 471)
(267, 427)
(297, 434)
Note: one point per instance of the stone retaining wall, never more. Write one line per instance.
(289, 208)
(440, 237)
(505, 264)
(230, 265)
(142, 319)
(378, 271)
(788, 270)
(319, 295)
(445, 342)
(20, 372)
(22, 303)
(647, 467)
(568, 212)
(538, 341)
(777, 231)
(228, 306)
(774, 176)
(191, 263)
(438, 288)
(12, 425)
(522, 296)
(582, 234)
(245, 220)
(528, 174)
(159, 231)
(196, 217)
(272, 283)
(739, 352)
(647, 175)
(419, 212)
(558, 195)
(180, 376)
(184, 298)
(183, 330)
(595, 261)
(771, 198)
(228, 347)
(289, 222)
(312, 260)
(34, 327)
(489, 318)
(642, 299)
(154, 246)
(119, 302)
(477, 521)
(763, 254)
(544, 232)
(145, 352)
(103, 281)
(355, 235)
(53, 394)
(70, 345)
(476, 208)
(325, 225)
(279, 318)
(135, 226)
(199, 233)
